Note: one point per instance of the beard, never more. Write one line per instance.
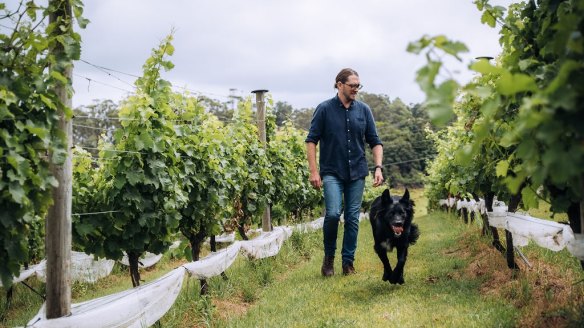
(349, 95)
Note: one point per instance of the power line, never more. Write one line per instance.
(107, 71)
(102, 83)
(92, 127)
(102, 68)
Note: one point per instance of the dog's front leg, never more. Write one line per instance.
(382, 253)
(397, 276)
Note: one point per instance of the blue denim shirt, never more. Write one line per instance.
(342, 134)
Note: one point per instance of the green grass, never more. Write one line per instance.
(431, 296)
(441, 288)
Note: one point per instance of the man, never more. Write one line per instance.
(342, 125)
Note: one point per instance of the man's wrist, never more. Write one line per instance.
(378, 167)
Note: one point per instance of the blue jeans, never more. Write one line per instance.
(334, 190)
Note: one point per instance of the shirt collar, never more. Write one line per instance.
(340, 103)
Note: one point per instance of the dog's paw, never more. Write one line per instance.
(386, 276)
(396, 279)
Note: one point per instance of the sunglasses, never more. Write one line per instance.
(354, 86)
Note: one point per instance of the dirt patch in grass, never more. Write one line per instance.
(545, 295)
(227, 309)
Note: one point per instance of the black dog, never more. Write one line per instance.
(391, 221)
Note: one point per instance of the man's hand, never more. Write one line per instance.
(377, 178)
(315, 180)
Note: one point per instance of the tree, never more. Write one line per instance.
(92, 122)
(404, 137)
(283, 112)
(302, 118)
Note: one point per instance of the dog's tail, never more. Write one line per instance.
(414, 234)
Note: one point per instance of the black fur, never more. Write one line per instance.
(391, 221)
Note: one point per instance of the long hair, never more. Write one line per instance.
(344, 74)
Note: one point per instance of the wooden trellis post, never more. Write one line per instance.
(261, 122)
(58, 222)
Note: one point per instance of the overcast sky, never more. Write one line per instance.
(293, 48)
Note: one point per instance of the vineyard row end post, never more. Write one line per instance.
(261, 122)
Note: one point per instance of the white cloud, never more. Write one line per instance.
(293, 48)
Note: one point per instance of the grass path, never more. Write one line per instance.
(432, 296)
(453, 279)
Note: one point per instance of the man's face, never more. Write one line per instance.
(350, 88)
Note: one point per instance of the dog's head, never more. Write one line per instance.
(396, 212)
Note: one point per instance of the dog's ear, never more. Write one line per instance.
(406, 197)
(386, 197)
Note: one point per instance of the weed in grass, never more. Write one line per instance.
(520, 292)
(264, 273)
(78, 289)
(303, 244)
(221, 287)
(207, 310)
(249, 293)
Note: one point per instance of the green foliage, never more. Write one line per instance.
(140, 177)
(208, 178)
(402, 129)
(252, 168)
(520, 122)
(439, 95)
(32, 64)
(287, 153)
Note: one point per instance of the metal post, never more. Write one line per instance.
(58, 222)
(261, 122)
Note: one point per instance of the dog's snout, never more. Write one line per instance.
(398, 223)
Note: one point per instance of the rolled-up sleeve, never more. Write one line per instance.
(371, 136)
(316, 126)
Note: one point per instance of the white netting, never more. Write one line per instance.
(225, 238)
(138, 307)
(146, 304)
(460, 203)
(497, 219)
(215, 263)
(25, 274)
(482, 206)
(267, 244)
(547, 234)
(145, 261)
(310, 226)
(86, 269)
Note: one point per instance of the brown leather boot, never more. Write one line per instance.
(348, 269)
(328, 266)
